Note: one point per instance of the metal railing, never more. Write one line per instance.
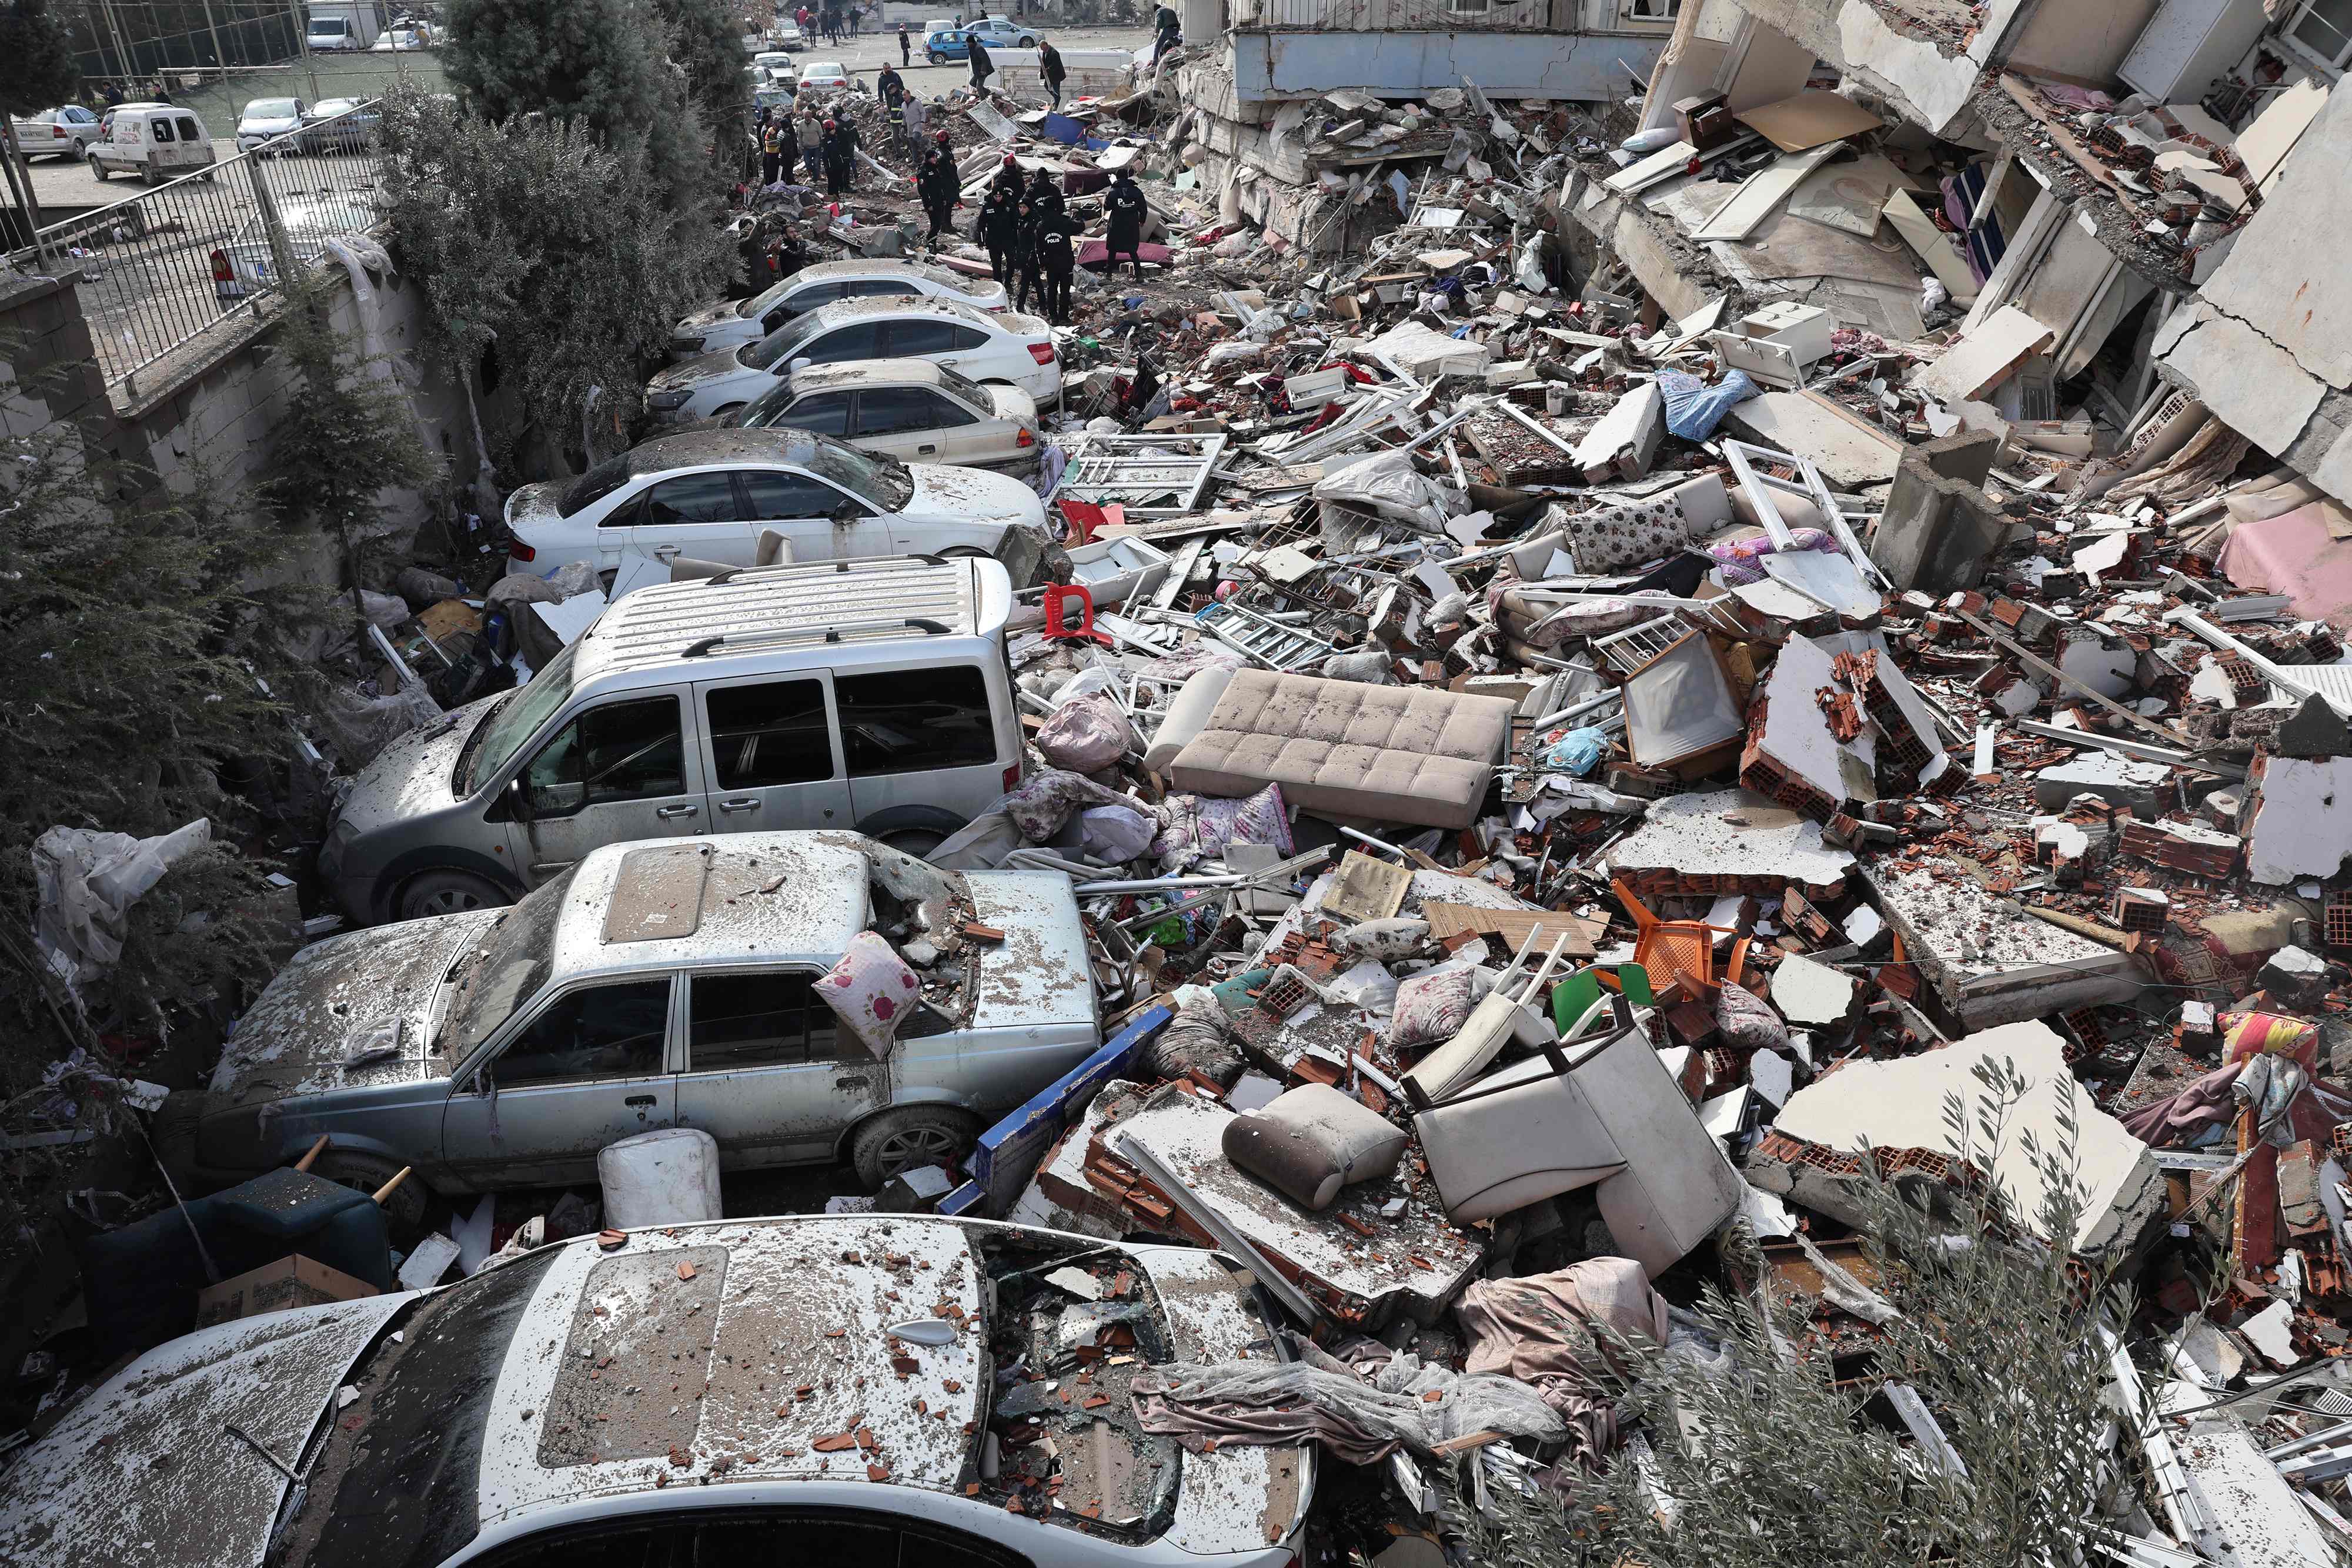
(196, 261)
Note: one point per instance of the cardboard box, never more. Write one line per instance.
(291, 1281)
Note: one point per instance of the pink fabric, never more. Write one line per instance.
(2292, 554)
(870, 991)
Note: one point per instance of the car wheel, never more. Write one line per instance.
(908, 1139)
(403, 1206)
(936, 58)
(1026, 44)
(916, 841)
(730, 412)
(448, 892)
(96, 168)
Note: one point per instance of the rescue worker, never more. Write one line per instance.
(1028, 260)
(1049, 63)
(1056, 260)
(890, 85)
(895, 117)
(999, 230)
(1126, 205)
(840, 156)
(788, 146)
(1045, 194)
(1171, 30)
(937, 184)
(772, 154)
(1008, 177)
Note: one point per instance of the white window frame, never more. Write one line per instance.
(2288, 35)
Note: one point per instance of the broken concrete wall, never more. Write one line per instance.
(1580, 68)
(2266, 344)
(1939, 526)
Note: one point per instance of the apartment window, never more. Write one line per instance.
(1649, 10)
(2324, 28)
(1468, 8)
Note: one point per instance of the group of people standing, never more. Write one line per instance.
(830, 149)
(833, 21)
(1032, 240)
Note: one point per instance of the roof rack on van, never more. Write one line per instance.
(756, 573)
(709, 646)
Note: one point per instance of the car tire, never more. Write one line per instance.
(403, 1206)
(448, 892)
(916, 841)
(1025, 43)
(936, 58)
(908, 1138)
(96, 168)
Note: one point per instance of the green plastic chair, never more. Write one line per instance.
(1574, 997)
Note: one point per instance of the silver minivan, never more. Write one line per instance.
(872, 694)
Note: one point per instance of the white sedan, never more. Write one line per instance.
(730, 323)
(911, 410)
(712, 495)
(731, 1364)
(824, 76)
(982, 346)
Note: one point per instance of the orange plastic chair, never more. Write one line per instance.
(1681, 949)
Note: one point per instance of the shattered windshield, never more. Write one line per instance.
(514, 960)
(516, 720)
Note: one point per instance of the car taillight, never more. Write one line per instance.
(1013, 779)
(1027, 438)
(56, 132)
(518, 550)
(222, 271)
(1042, 352)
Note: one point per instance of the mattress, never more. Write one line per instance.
(1342, 748)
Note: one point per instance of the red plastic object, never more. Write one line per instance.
(1084, 517)
(1057, 626)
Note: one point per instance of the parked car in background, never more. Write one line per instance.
(824, 76)
(710, 496)
(985, 346)
(950, 42)
(247, 263)
(156, 141)
(729, 323)
(403, 35)
(912, 410)
(787, 35)
(456, 1388)
(67, 133)
(777, 67)
(629, 733)
(334, 35)
(341, 125)
(269, 119)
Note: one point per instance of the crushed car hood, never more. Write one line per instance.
(1039, 974)
(963, 494)
(342, 997)
(412, 775)
(143, 1473)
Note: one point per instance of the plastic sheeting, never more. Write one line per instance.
(87, 880)
(1694, 408)
(1388, 489)
(1358, 1417)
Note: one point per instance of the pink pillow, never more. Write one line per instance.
(870, 991)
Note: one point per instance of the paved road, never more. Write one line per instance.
(866, 54)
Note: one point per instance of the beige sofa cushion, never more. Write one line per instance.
(1387, 754)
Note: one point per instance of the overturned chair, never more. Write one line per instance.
(1602, 1113)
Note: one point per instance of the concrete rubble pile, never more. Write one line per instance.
(1565, 778)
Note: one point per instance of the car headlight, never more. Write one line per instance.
(664, 402)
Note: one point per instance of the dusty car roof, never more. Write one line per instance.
(146, 1469)
(830, 271)
(900, 304)
(868, 373)
(741, 897)
(764, 1350)
(700, 448)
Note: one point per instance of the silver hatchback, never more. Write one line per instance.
(670, 984)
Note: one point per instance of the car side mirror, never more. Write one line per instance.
(518, 798)
(848, 512)
(804, 362)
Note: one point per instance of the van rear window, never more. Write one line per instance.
(906, 721)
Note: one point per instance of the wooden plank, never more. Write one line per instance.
(1366, 889)
(1761, 196)
(1651, 170)
(1513, 926)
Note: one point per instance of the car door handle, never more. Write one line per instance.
(638, 1100)
(926, 449)
(748, 803)
(666, 812)
(666, 553)
(851, 1082)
